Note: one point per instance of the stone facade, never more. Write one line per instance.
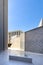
(16, 38)
(34, 40)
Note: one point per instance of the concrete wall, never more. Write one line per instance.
(15, 40)
(34, 40)
(22, 41)
(3, 24)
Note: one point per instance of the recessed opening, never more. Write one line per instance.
(15, 30)
(23, 29)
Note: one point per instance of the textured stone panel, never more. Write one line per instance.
(34, 40)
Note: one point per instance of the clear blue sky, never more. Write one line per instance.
(24, 14)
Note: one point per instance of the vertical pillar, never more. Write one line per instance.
(3, 24)
(5, 17)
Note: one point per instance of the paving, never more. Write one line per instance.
(37, 59)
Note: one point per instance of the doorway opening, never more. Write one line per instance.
(16, 36)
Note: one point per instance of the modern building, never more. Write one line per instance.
(33, 39)
(14, 33)
(16, 39)
(41, 23)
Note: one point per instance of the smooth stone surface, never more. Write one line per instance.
(37, 59)
(4, 59)
(18, 58)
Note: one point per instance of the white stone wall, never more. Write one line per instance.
(22, 41)
(15, 42)
(18, 42)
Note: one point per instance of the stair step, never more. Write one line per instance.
(18, 58)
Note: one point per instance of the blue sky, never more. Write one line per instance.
(24, 14)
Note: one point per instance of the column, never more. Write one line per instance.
(3, 24)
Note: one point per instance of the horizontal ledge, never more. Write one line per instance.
(23, 59)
